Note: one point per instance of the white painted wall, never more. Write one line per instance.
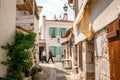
(54, 41)
(7, 28)
(24, 20)
(36, 30)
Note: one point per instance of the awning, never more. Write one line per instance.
(85, 25)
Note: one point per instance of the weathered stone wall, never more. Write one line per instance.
(88, 72)
(102, 70)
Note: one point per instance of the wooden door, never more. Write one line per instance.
(114, 49)
(80, 55)
(64, 54)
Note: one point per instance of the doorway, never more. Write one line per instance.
(40, 53)
(114, 51)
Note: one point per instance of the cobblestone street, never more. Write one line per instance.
(56, 72)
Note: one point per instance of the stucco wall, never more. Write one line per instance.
(7, 27)
(54, 41)
(36, 30)
(104, 12)
(87, 61)
(102, 70)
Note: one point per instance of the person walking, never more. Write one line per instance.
(44, 56)
(50, 56)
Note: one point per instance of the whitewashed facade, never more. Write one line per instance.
(7, 28)
(57, 40)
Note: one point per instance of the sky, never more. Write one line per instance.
(53, 7)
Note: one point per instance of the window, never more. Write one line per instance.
(60, 50)
(53, 32)
(56, 50)
(62, 31)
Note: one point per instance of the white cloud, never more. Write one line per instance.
(52, 7)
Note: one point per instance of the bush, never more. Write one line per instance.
(18, 55)
(36, 69)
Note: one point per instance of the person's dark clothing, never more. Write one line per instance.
(44, 59)
(50, 57)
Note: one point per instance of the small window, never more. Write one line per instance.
(62, 32)
(53, 32)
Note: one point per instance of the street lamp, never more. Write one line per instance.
(65, 8)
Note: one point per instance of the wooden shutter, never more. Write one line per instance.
(65, 30)
(114, 30)
(51, 48)
(80, 55)
(56, 50)
(60, 50)
(56, 31)
(114, 51)
(60, 32)
(50, 32)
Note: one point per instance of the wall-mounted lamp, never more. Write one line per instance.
(65, 8)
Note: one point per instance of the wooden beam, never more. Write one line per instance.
(30, 4)
(21, 8)
(26, 6)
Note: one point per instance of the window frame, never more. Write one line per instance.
(54, 32)
(62, 32)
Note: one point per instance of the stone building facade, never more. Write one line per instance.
(102, 66)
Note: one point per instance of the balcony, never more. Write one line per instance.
(25, 19)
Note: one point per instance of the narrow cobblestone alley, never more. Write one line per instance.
(56, 72)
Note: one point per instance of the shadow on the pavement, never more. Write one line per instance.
(57, 70)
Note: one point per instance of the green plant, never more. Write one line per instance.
(19, 55)
(34, 71)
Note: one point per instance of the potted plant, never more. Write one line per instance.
(35, 70)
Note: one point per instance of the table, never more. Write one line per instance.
(66, 63)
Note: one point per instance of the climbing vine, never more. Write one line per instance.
(19, 55)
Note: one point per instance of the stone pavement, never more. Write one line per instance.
(56, 72)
